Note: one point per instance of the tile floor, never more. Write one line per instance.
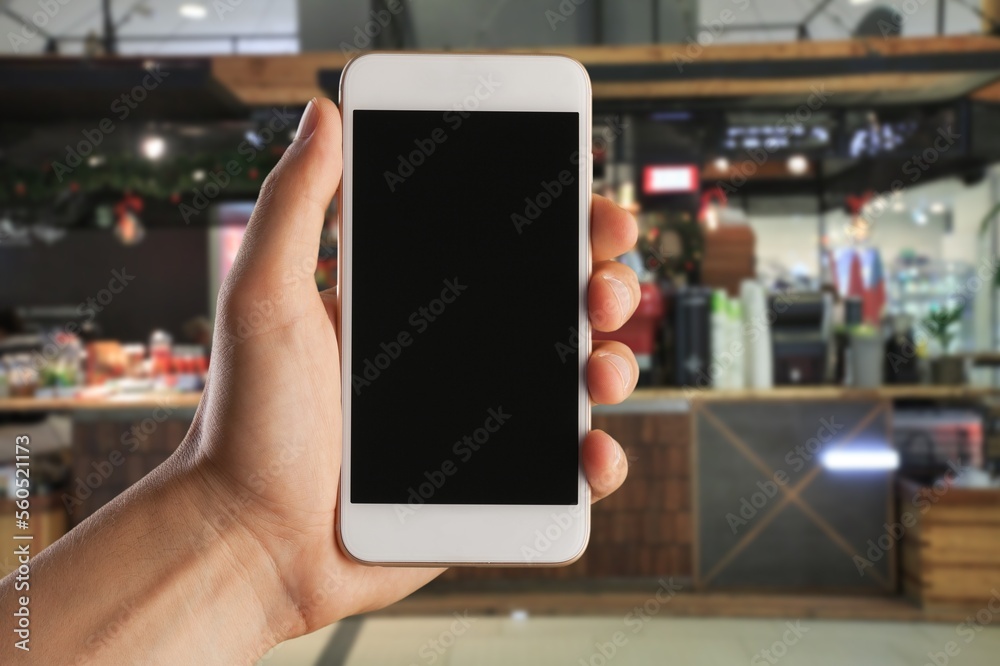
(628, 641)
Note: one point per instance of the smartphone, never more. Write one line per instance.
(464, 258)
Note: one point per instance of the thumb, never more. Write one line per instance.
(281, 245)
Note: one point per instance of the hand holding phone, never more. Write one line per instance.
(268, 435)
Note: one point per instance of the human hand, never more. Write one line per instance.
(266, 442)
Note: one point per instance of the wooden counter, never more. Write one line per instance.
(950, 545)
(142, 401)
(638, 399)
(783, 393)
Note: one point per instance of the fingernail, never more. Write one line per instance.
(619, 456)
(623, 367)
(308, 122)
(622, 295)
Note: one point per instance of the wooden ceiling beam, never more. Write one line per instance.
(293, 79)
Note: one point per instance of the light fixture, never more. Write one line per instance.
(721, 164)
(860, 2)
(937, 208)
(198, 175)
(194, 11)
(798, 164)
(153, 147)
(860, 459)
(898, 206)
(919, 217)
(95, 160)
(519, 615)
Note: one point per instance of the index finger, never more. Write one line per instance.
(613, 230)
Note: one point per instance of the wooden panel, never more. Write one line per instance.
(47, 522)
(729, 258)
(642, 531)
(293, 79)
(951, 554)
(113, 451)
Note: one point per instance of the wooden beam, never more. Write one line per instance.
(293, 79)
(854, 84)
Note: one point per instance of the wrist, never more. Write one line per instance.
(220, 530)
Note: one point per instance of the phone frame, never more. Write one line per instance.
(477, 535)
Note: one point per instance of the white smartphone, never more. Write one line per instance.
(464, 258)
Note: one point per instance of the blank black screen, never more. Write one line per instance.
(465, 380)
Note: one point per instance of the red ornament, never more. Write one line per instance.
(20, 189)
(175, 198)
(854, 203)
(253, 173)
(74, 187)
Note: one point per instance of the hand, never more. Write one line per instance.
(267, 438)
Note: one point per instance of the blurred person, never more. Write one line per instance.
(229, 547)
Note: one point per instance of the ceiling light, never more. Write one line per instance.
(721, 164)
(192, 10)
(937, 207)
(153, 147)
(798, 164)
(898, 207)
(920, 217)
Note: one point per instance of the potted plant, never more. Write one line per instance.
(945, 369)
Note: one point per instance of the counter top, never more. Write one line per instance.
(142, 401)
(918, 391)
(677, 396)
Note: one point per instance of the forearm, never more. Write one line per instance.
(164, 574)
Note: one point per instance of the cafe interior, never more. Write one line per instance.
(814, 444)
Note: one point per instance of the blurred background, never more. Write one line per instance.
(815, 442)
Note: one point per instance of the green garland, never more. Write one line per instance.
(169, 179)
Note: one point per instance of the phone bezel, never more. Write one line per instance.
(518, 535)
